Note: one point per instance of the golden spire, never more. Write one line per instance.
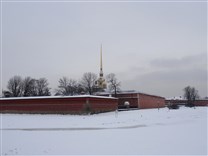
(101, 62)
(101, 81)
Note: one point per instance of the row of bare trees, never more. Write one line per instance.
(87, 85)
(25, 87)
(68, 87)
(17, 87)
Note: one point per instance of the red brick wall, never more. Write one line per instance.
(197, 102)
(149, 101)
(59, 105)
(139, 100)
(201, 102)
(175, 102)
(131, 98)
(100, 105)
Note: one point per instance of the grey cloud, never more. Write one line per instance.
(169, 84)
(188, 61)
(168, 78)
(175, 76)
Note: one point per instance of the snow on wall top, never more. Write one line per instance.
(128, 92)
(54, 97)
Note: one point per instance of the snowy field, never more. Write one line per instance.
(140, 132)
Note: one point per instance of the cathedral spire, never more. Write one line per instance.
(101, 62)
(101, 84)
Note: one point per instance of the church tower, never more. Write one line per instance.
(101, 84)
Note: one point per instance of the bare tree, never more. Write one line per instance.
(62, 88)
(72, 87)
(29, 87)
(67, 87)
(191, 94)
(42, 87)
(114, 84)
(80, 89)
(15, 86)
(88, 82)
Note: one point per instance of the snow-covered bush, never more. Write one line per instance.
(173, 106)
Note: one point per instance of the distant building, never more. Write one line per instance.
(175, 98)
(101, 83)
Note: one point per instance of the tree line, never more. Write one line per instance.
(191, 95)
(28, 86)
(18, 87)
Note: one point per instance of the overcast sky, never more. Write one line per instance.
(153, 47)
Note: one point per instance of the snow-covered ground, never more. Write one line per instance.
(149, 131)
